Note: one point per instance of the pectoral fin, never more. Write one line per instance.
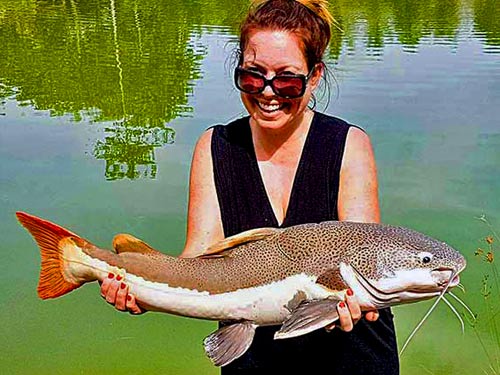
(309, 316)
(229, 342)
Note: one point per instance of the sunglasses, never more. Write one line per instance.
(287, 86)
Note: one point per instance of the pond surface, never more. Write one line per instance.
(101, 103)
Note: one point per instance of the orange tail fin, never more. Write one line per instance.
(48, 235)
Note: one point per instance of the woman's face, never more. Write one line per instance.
(274, 53)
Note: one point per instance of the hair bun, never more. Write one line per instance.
(320, 8)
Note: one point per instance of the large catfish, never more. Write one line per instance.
(293, 277)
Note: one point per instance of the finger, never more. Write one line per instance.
(106, 283)
(132, 305)
(372, 315)
(353, 305)
(345, 320)
(121, 297)
(112, 291)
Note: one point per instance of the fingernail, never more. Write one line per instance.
(118, 278)
(342, 304)
(129, 297)
(110, 275)
(123, 286)
(349, 292)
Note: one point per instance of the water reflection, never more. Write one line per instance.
(129, 150)
(132, 64)
(487, 23)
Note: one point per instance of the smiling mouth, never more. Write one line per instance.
(270, 108)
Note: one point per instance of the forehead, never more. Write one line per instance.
(270, 49)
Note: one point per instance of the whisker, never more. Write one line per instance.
(420, 324)
(474, 317)
(461, 287)
(427, 314)
(452, 308)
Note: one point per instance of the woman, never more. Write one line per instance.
(284, 165)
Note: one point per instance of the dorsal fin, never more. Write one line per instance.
(223, 247)
(127, 243)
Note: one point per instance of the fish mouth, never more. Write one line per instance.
(446, 277)
(385, 298)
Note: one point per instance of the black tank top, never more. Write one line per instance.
(371, 347)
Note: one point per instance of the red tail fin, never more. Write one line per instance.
(48, 235)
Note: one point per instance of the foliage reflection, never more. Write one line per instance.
(133, 64)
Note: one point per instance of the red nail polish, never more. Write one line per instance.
(129, 297)
(341, 304)
(118, 278)
(349, 292)
(110, 275)
(123, 286)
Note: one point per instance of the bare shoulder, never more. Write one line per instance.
(201, 164)
(204, 142)
(358, 142)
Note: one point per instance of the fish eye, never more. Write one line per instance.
(425, 257)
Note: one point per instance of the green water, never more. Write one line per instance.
(101, 102)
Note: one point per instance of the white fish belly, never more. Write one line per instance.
(264, 305)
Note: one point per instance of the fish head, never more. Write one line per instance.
(400, 265)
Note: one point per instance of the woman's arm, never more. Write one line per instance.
(358, 190)
(204, 226)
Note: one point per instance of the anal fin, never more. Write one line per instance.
(309, 316)
(229, 342)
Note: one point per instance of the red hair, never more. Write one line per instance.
(309, 20)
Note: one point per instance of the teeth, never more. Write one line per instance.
(269, 107)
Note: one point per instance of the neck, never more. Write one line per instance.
(269, 143)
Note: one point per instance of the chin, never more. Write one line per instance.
(277, 121)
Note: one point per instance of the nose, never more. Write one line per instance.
(268, 90)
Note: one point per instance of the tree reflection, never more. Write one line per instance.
(487, 22)
(130, 63)
(133, 63)
(129, 151)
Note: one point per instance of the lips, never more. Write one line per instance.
(270, 107)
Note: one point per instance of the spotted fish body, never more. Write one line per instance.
(293, 276)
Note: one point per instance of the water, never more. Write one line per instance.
(101, 103)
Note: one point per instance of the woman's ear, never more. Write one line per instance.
(316, 75)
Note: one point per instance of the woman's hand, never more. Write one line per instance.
(115, 292)
(350, 313)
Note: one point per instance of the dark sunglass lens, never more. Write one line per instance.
(249, 82)
(291, 87)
